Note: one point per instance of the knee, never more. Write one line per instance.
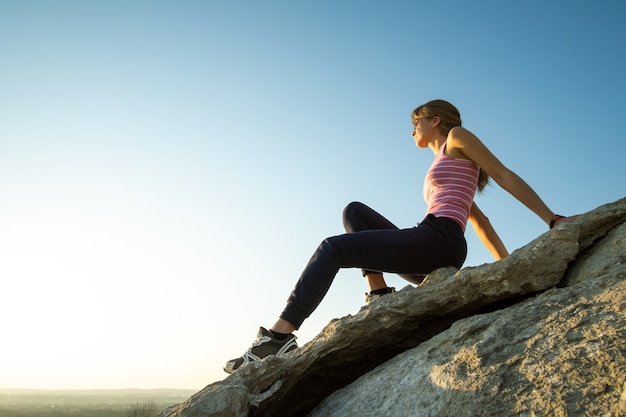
(349, 215)
(326, 249)
(351, 208)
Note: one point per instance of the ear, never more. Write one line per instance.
(436, 121)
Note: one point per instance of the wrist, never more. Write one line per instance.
(555, 219)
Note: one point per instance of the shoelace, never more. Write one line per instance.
(260, 340)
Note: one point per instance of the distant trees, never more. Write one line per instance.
(143, 409)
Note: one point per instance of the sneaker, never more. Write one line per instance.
(369, 297)
(264, 345)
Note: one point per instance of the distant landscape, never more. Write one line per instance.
(84, 403)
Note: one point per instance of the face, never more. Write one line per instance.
(422, 130)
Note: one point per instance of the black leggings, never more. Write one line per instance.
(374, 244)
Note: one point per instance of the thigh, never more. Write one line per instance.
(418, 250)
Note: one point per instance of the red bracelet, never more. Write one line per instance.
(555, 218)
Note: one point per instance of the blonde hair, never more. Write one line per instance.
(450, 117)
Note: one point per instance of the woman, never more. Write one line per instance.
(462, 166)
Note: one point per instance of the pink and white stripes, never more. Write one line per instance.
(450, 186)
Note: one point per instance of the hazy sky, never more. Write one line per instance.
(168, 168)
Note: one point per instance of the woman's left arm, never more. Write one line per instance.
(472, 148)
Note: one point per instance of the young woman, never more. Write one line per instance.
(462, 166)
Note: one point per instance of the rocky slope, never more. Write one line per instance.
(542, 332)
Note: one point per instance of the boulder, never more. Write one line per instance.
(527, 335)
(560, 353)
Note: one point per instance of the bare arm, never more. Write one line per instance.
(472, 148)
(486, 233)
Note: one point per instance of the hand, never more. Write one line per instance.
(566, 220)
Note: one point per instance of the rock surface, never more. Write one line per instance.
(541, 332)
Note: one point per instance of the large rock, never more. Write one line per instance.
(515, 348)
(562, 353)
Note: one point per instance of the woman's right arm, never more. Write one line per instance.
(486, 233)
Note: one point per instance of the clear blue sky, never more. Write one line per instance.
(168, 168)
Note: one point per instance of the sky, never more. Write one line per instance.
(168, 168)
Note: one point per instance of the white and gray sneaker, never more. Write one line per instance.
(369, 297)
(264, 345)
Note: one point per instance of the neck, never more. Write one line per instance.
(436, 143)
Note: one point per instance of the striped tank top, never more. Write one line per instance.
(450, 186)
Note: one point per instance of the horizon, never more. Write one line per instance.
(94, 389)
(167, 170)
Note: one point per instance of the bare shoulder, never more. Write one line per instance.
(461, 137)
(459, 140)
(464, 143)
